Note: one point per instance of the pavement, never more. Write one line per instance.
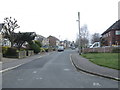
(11, 63)
(85, 65)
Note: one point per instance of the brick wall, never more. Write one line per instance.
(101, 49)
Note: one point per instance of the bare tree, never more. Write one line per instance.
(84, 34)
(95, 37)
(10, 25)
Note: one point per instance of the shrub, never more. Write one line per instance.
(35, 47)
(11, 52)
(38, 43)
(4, 50)
(42, 49)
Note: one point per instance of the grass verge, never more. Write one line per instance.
(109, 60)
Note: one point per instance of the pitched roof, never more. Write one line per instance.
(40, 37)
(115, 26)
(53, 37)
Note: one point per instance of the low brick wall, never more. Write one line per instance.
(30, 52)
(0, 53)
(0, 56)
(100, 49)
(21, 54)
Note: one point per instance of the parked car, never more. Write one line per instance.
(60, 48)
(95, 45)
(72, 47)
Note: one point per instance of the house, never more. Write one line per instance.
(53, 41)
(64, 43)
(6, 42)
(3, 41)
(42, 39)
(1, 25)
(111, 36)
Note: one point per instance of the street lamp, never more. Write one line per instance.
(79, 33)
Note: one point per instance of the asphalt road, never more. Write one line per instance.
(53, 71)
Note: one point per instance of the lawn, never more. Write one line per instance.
(104, 59)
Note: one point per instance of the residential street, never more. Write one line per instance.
(54, 70)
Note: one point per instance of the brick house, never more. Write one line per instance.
(111, 36)
(53, 41)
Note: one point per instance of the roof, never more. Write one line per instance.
(40, 37)
(115, 26)
(53, 37)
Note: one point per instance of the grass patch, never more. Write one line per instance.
(104, 59)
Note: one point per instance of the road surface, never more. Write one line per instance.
(53, 71)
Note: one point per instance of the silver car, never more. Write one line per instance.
(60, 48)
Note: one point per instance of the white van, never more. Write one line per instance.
(95, 45)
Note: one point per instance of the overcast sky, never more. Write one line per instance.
(58, 17)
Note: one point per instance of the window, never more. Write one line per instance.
(117, 32)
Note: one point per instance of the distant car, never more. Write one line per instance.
(73, 48)
(60, 48)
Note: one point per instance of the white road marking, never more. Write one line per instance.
(40, 57)
(34, 71)
(20, 79)
(10, 68)
(66, 69)
(39, 78)
(96, 84)
(71, 60)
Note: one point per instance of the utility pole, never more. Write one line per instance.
(79, 46)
